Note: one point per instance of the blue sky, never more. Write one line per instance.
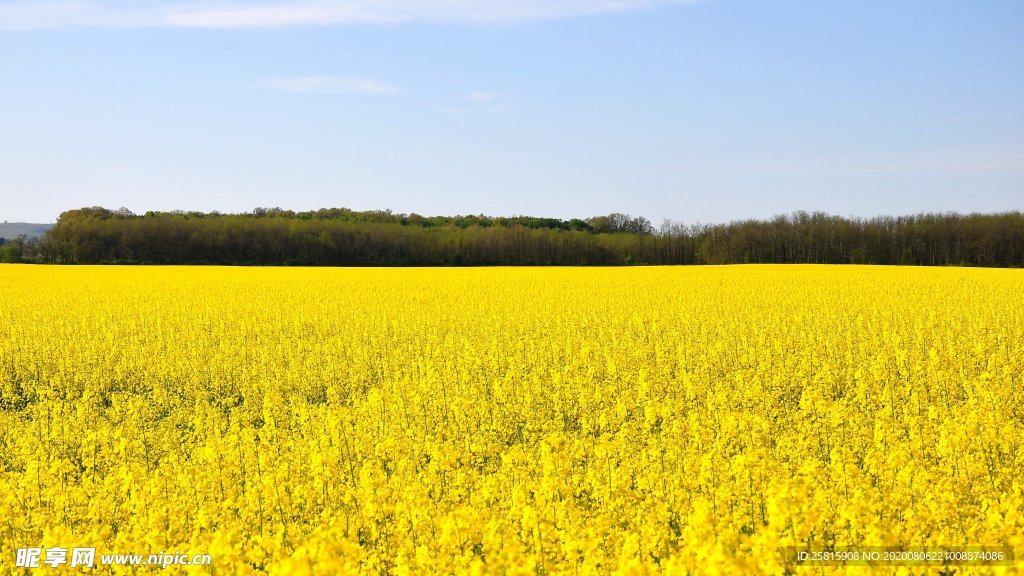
(694, 111)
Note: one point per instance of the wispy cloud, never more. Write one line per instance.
(339, 12)
(329, 85)
(48, 14)
(51, 14)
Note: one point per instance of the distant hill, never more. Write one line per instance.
(11, 230)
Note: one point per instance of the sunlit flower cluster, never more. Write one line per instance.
(510, 421)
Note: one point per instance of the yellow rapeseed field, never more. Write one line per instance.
(510, 421)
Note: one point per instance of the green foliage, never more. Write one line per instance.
(22, 249)
(8, 254)
(343, 237)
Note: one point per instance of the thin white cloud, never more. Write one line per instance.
(52, 14)
(329, 85)
(341, 12)
(49, 14)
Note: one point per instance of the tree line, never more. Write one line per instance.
(343, 237)
(21, 248)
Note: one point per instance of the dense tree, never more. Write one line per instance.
(8, 253)
(343, 237)
(21, 249)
